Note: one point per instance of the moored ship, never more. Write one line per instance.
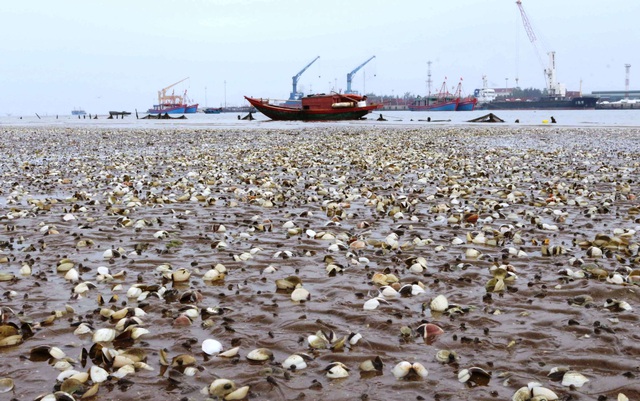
(544, 103)
(320, 107)
(173, 104)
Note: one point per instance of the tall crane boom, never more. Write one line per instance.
(525, 21)
(553, 88)
(295, 95)
(352, 73)
(162, 93)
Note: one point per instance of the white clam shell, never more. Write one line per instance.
(211, 346)
(294, 362)
(222, 387)
(72, 275)
(104, 335)
(439, 304)
(573, 378)
(98, 375)
(401, 369)
(300, 294)
(260, 354)
(420, 369)
(539, 391)
(337, 370)
(238, 394)
(230, 353)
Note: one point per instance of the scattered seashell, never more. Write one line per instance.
(6, 385)
(474, 376)
(294, 362)
(260, 355)
(211, 346)
(300, 294)
(98, 375)
(221, 387)
(439, 304)
(574, 379)
(337, 370)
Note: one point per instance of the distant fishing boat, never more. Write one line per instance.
(318, 107)
(444, 102)
(78, 112)
(464, 104)
(213, 110)
(173, 104)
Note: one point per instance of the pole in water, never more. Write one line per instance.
(38, 116)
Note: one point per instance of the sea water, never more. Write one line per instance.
(571, 118)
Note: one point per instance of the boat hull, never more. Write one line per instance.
(577, 103)
(168, 110)
(466, 105)
(448, 106)
(283, 113)
(177, 109)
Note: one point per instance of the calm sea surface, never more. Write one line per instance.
(592, 118)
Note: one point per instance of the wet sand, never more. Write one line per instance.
(529, 234)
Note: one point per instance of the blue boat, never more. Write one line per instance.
(437, 106)
(78, 112)
(444, 102)
(167, 109)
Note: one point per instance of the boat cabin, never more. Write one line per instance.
(332, 101)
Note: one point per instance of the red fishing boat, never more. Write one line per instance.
(464, 103)
(320, 107)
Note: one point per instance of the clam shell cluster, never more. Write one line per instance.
(273, 262)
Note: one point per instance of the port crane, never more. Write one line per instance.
(553, 88)
(295, 95)
(352, 73)
(163, 98)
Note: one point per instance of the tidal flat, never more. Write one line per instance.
(342, 263)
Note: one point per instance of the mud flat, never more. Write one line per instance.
(466, 263)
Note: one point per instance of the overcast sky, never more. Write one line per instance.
(106, 55)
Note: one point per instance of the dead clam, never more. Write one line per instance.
(617, 305)
(573, 379)
(300, 294)
(409, 371)
(296, 361)
(534, 391)
(6, 385)
(429, 331)
(373, 303)
(260, 355)
(446, 356)
(439, 304)
(211, 346)
(336, 370)
(372, 365)
(474, 376)
(289, 283)
(56, 396)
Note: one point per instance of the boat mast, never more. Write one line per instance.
(429, 81)
(295, 95)
(352, 73)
